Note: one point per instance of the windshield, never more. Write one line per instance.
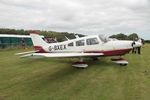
(104, 38)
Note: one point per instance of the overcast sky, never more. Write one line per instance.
(78, 16)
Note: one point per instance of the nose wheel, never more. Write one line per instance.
(120, 61)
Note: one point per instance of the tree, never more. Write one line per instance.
(122, 36)
(119, 36)
(133, 36)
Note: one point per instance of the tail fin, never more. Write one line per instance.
(38, 42)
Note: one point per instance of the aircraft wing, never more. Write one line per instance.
(58, 55)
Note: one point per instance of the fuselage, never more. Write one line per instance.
(89, 44)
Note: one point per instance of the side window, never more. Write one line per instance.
(80, 43)
(92, 41)
(70, 44)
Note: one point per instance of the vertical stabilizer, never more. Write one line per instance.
(38, 43)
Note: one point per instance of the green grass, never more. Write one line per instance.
(56, 79)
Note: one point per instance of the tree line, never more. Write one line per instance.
(133, 36)
(122, 36)
(59, 35)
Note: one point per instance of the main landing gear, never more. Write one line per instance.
(121, 61)
(80, 64)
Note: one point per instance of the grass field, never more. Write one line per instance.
(56, 79)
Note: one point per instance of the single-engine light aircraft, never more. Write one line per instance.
(89, 46)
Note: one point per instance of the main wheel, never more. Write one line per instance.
(123, 64)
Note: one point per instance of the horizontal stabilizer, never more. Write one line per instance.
(28, 52)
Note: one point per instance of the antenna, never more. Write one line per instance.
(55, 39)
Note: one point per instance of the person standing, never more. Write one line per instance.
(23, 43)
(139, 48)
(134, 48)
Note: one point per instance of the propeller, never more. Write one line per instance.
(133, 43)
(136, 45)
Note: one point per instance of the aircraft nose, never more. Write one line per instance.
(136, 44)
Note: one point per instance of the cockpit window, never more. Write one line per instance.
(80, 43)
(92, 41)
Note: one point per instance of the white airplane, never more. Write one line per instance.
(88, 46)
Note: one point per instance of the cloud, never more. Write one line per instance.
(79, 16)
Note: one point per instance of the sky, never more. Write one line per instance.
(78, 16)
